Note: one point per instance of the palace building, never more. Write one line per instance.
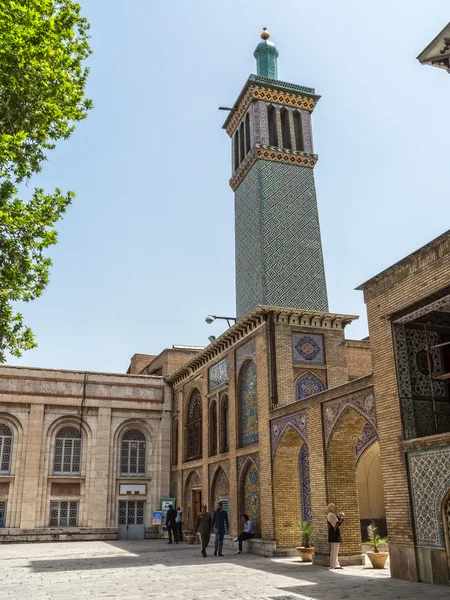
(277, 417)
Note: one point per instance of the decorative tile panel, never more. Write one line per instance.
(305, 484)
(365, 439)
(306, 127)
(279, 258)
(221, 486)
(430, 482)
(218, 374)
(245, 352)
(254, 457)
(251, 500)
(248, 402)
(308, 348)
(278, 426)
(363, 403)
(307, 385)
(214, 466)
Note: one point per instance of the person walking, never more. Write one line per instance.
(220, 523)
(335, 520)
(203, 525)
(171, 524)
(179, 522)
(247, 533)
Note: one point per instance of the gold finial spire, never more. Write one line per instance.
(265, 34)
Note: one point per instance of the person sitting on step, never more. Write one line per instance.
(247, 533)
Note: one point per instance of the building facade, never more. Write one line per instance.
(279, 258)
(82, 455)
(408, 308)
(251, 414)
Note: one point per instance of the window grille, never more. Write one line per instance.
(6, 439)
(67, 459)
(63, 514)
(132, 461)
(131, 513)
(2, 514)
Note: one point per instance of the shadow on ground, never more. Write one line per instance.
(317, 583)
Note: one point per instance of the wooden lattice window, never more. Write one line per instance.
(67, 460)
(132, 460)
(2, 514)
(6, 441)
(224, 426)
(63, 514)
(194, 427)
(213, 428)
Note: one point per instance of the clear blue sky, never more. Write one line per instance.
(147, 249)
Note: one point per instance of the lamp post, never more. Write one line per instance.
(211, 318)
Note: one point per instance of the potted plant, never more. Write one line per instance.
(377, 558)
(191, 537)
(305, 528)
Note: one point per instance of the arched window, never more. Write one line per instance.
(213, 428)
(308, 385)
(194, 427)
(247, 134)
(273, 133)
(6, 440)
(236, 150)
(241, 143)
(285, 129)
(224, 441)
(132, 456)
(67, 460)
(175, 442)
(298, 129)
(248, 404)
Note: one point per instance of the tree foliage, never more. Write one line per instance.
(43, 46)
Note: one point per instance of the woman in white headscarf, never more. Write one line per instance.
(334, 534)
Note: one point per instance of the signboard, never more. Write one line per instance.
(135, 489)
(165, 502)
(157, 518)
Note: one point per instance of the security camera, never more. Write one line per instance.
(210, 319)
(212, 338)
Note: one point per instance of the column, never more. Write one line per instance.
(100, 486)
(32, 467)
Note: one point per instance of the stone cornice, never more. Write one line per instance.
(274, 154)
(248, 324)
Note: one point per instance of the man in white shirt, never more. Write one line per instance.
(247, 533)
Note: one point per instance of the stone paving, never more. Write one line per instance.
(153, 570)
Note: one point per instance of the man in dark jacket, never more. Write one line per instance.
(220, 523)
(171, 524)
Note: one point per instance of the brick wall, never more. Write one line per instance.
(359, 359)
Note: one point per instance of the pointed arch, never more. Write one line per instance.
(249, 492)
(220, 488)
(307, 385)
(248, 404)
(194, 420)
(212, 429)
(224, 425)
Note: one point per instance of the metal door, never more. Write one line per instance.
(131, 520)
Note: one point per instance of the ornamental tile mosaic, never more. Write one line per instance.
(365, 439)
(307, 385)
(251, 493)
(308, 348)
(363, 403)
(278, 427)
(248, 403)
(416, 343)
(245, 352)
(225, 466)
(218, 375)
(242, 460)
(430, 483)
(279, 258)
(221, 486)
(305, 484)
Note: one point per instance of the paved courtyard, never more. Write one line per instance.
(153, 570)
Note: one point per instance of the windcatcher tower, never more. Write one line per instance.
(279, 259)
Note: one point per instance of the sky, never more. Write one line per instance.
(146, 251)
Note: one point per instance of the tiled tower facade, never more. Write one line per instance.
(279, 259)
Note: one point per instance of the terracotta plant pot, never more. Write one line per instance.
(190, 538)
(378, 559)
(305, 553)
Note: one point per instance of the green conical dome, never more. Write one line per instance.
(266, 55)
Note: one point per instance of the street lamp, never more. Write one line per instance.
(211, 318)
